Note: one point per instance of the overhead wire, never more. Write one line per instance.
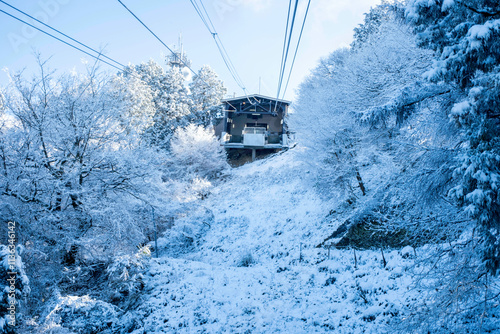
(207, 21)
(63, 34)
(218, 41)
(288, 46)
(297, 48)
(211, 28)
(69, 44)
(159, 39)
(284, 46)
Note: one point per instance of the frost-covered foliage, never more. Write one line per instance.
(79, 315)
(70, 156)
(88, 172)
(189, 226)
(397, 143)
(454, 296)
(195, 162)
(170, 97)
(197, 151)
(125, 275)
(174, 104)
(466, 37)
(374, 19)
(77, 173)
(138, 100)
(372, 86)
(206, 92)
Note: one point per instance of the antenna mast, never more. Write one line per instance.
(179, 59)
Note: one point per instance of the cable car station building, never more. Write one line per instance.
(253, 122)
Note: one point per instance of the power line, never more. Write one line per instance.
(297, 48)
(207, 21)
(159, 39)
(284, 46)
(63, 34)
(71, 45)
(220, 45)
(288, 46)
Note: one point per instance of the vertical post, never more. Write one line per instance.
(226, 115)
(383, 258)
(254, 154)
(154, 226)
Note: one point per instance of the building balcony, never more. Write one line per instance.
(255, 138)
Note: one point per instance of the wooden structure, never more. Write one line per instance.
(254, 122)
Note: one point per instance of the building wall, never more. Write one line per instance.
(240, 121)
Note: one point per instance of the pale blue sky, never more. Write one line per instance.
(251, 30)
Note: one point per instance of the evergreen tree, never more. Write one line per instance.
(206, 92)
(170, 98)
(466, 38)
(173, 108)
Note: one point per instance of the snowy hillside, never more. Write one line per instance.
(120, 212)
(246, 276)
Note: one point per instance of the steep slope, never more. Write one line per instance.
(256, 270)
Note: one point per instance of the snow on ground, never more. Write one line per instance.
(257, 270)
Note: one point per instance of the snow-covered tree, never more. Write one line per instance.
(138, 105)
(373, 19)
(197, 151)
(75, 171)
(206, 92)
(173, 107)
(170, 99)
(356, 87)
(196, 160)
(466, 38)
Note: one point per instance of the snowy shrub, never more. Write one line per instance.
(189, 227)
(196, 152)
(407, 252)
(14, 289)
(245, 259)
(80, 315)
(330, 280)
(125, 275)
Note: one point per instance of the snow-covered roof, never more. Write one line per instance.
(255, 96)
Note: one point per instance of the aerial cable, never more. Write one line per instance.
(60, 40)
(296, 49)
(288, 47)
(58, 31)
(195, 5)
(284, 45)
(208, 16)
(218, 41)
(216, 36)
(231, 63)
(207, 21)
(159, 39)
